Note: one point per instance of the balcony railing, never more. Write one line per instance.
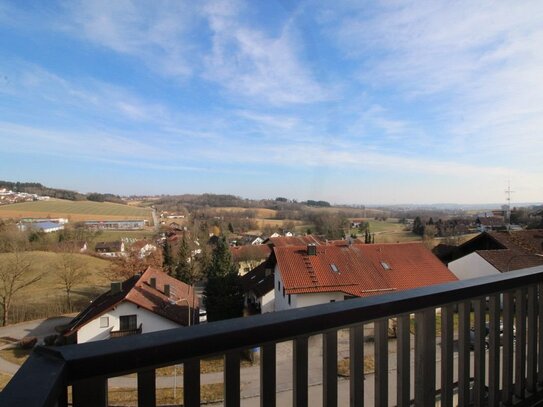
(125, 332)
(506, 370)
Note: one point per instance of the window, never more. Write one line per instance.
(278, 285)
(334, 268)
(385, 265)
(332, 300)
(283, 291)
(128, 322)
(289, 299)
(104, 322)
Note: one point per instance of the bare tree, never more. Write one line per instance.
(16, 273)
(70, 270)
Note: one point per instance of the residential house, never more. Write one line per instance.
(150, 302)
(258, 289)
(110, 249)
(249, 256)
(317, 274)
(497, 252)
(488, 223)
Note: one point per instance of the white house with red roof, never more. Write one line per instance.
(150, 302)
(317, 274)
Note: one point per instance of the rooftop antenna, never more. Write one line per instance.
(508, 193)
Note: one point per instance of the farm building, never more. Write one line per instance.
(137, 224)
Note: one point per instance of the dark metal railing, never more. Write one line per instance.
(508, 306)
(125, 332)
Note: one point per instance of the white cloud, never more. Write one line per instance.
(251, 63)
(153, 32)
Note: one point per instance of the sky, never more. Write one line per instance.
(348, 101)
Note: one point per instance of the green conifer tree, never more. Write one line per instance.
(223, 294)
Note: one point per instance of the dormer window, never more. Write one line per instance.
(385, 265)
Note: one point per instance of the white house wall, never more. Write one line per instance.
(300, 300)
(471, 266)
(267, 303)
(150, 323)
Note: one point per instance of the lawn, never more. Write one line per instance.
(123, 396)
(4, 379)
(113, 235)
(15, 355)
(74, 210)
(46, 297)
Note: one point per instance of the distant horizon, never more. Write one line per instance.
(344, 102)
(477, 205)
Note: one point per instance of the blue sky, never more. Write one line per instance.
(352, 102)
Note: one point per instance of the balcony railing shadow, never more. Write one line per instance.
(490, 333)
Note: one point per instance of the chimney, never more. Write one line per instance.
(116, 287)
(167, 290)
(152, 282)
(311, 249)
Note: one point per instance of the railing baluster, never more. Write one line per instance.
(540, 333)
(520, 343)
(356, 365)
(381, 362)
(300, 372)
(532, 339)
(329, 368)
(494, 350)
(403, 370)
(463, 352)
(267, 375)
(425, 357)
(191, 383)
(479, 306)
(231, 379)
(90, 392)
(146, 388)
(507, 369)
(447, 353)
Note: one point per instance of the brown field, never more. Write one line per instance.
(260, 212)
(276, 223)
(75, 211)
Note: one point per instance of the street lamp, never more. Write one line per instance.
(521, 255)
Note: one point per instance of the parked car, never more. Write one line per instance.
(487, 331)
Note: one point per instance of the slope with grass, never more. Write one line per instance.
(47, 297)
(74, 210)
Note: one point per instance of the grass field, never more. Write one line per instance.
(74, 210)
(46, 297)
(113, 235)
(260, 212)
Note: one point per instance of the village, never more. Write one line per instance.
(167, 277)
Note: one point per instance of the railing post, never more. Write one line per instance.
(520, 343)
(300, 372)
(425, 357)
(403, 364)
(507, 368)
(90, 392)
(356, 365)
(532, 339)
(267, 375)
(191, 383)
(479, 306)
(447, 353)
(540, 333)
(463, 352)
(146, 388)
(329, 368)
(231, 379)
(381, 362)
(494, 350)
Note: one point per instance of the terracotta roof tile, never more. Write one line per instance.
(138, 290)
(359, 269)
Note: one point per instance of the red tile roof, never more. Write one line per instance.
(294, 240)
(138, 291)
(259, 251)
(360, 271)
